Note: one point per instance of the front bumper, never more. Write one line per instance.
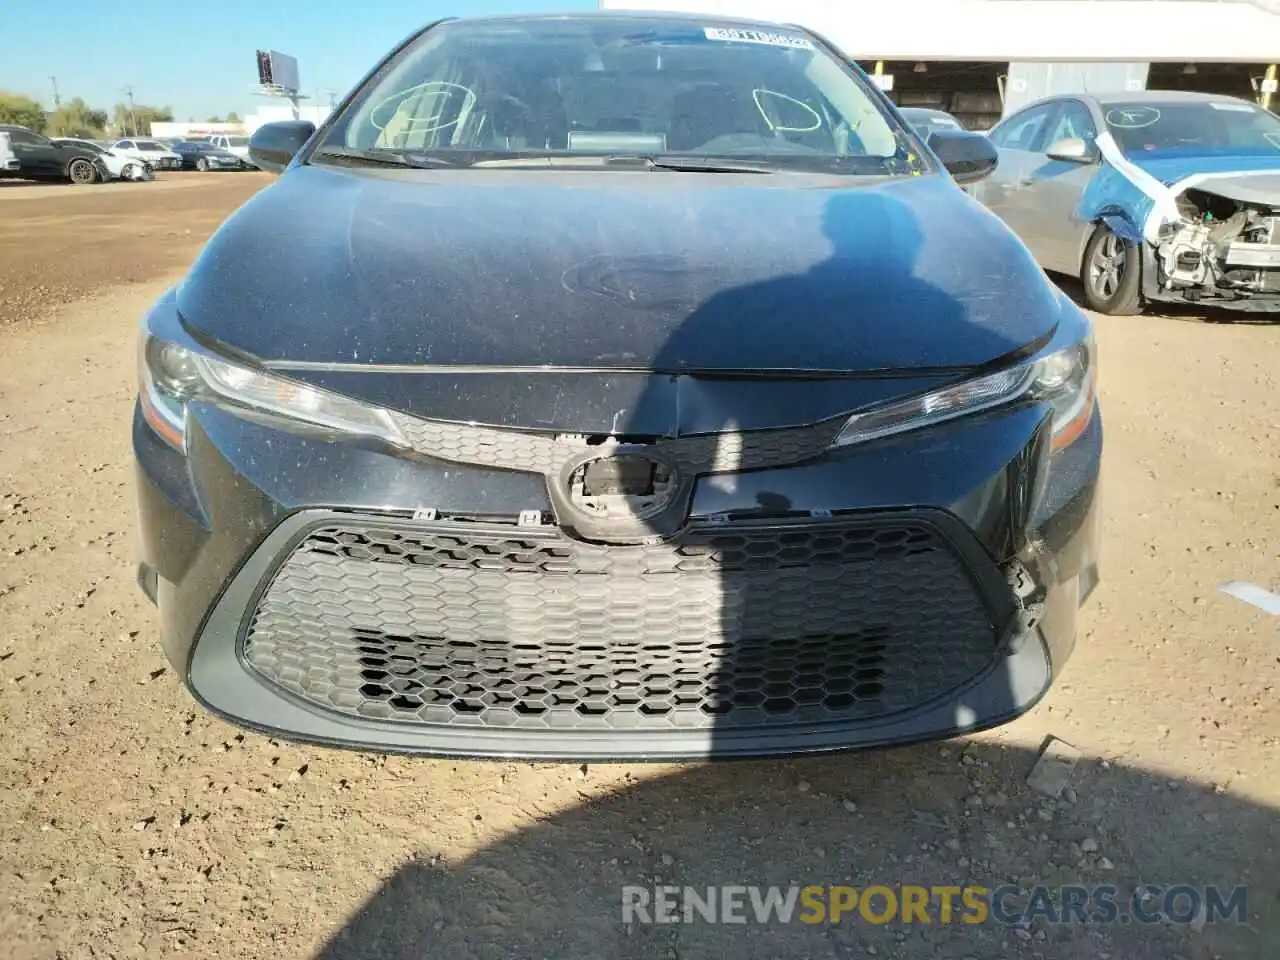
(298, 596)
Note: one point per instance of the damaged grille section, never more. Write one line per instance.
(545, 452)
(737, 625)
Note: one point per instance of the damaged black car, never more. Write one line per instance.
(616, 387)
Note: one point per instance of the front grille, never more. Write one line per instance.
(545, 453)
(730, 626)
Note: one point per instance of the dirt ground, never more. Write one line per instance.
(133, 824)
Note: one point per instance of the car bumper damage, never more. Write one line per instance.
(435, 602)
(1210, 236)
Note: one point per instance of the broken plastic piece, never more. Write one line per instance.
(1260, 597)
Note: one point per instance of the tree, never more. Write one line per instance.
(213, 119)
(234, 117)
(136, 121)
(21, 110)
(75, 118)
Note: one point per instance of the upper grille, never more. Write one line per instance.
(545, 452)
(753, 625)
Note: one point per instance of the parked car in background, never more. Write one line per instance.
(925, 121)
(39, 158)
(1146, 197)
(8, 159)
(232, 144)
(120, 167)
(156, 154)
(700, 419)
(199, 155)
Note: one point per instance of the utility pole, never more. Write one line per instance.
(131, 131)
(57, 100)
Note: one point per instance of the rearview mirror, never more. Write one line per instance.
(1073, 150)
(968, 157)
(274, 145)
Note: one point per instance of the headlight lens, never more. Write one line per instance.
(173, 376)
(1065, 379)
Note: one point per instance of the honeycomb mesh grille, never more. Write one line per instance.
(545, 453)
(455, 624)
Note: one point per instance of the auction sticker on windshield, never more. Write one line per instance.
(759, 36)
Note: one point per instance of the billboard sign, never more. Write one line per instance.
(276, 69)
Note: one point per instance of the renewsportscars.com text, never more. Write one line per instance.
(880, 904)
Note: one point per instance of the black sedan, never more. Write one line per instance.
(205, 156)
(708, 417)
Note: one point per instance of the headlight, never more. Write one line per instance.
(173, 376)
(1064, 379)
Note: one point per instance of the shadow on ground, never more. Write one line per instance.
(927, 815)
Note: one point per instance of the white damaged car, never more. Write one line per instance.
(120, 166)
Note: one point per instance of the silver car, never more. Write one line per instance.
(1147, 196)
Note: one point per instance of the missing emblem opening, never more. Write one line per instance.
(623, 487)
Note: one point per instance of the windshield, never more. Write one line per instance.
(1205, 126)
(237, 141)
(624, 87)
(149, 145)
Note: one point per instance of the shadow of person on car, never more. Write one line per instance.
(763, 641)
(831, 622)
(925, 815)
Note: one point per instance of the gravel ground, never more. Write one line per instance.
(133, 824)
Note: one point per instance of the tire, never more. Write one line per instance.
(202, 165)
(1112, 274)
(81, 171)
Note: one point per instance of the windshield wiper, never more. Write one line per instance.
(387, 158)
(684, 164)
(705, 164)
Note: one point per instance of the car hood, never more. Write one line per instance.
(655, 271)
(1255, 177)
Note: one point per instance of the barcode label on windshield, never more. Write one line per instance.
(790, 40)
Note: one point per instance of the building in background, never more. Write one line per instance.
(980, 59)
(195, 131)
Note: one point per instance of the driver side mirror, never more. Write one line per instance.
(968, 157)
(274, 145)
(1072, 150)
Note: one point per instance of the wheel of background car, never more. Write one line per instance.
(202, 164)
(126, 172)
(1112, 274)
(81, 171)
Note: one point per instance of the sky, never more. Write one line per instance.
(198, 58)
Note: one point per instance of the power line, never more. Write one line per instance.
(133, 123)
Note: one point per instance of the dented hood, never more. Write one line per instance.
(613, 270)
